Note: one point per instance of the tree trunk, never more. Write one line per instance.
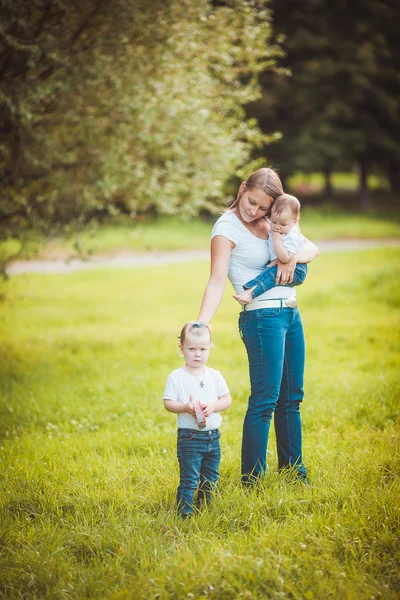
(365, 200)
(393, 171)
(15, 155)
(283, 178)
(328, 191)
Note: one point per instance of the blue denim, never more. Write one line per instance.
(199, 455)
(275, 345)
(266, 279)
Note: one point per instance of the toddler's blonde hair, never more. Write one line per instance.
(193, 327)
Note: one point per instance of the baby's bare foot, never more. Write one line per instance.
(244, 297)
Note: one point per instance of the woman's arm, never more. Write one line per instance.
(307, 253)
(285, 271)
(221, 249)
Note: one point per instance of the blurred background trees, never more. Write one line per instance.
(340, 106)
(147, 106)
(126, 105)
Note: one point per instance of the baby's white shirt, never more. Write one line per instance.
(292, 241)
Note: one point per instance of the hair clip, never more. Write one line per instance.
(198, 325)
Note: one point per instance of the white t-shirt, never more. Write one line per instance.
(181, 385)
(292, 241)
(249, 256)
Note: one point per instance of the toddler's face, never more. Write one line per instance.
(284, 222)
(196, 349)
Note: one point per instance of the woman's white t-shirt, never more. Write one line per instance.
(249, 257)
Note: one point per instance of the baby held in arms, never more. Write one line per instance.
(284, 242)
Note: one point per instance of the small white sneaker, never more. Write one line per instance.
(291, 302)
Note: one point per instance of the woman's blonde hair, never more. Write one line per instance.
(265, 179)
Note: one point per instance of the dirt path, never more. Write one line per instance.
(166, 258)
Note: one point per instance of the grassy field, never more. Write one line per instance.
(170, 233)
(341, 181)
(88, 465)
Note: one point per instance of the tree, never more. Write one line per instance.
(340, 104)
(125, 105)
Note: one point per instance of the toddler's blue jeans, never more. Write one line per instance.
(266, 280)
(199, 455)
(275, 345)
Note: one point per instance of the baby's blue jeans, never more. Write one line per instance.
(266, 280)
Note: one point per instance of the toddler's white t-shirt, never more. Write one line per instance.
(181, 385)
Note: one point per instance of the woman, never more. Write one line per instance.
(271, 331)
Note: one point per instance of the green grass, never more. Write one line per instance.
(314, 182)
(170, 233)
(328, 223)
(165, 233)
(88, 465)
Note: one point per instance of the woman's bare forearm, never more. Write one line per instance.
(211, 300)
(307, 253)
(221, 249)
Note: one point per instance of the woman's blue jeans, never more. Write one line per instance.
(275, 345)
(199, 455)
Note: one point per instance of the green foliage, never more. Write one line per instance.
(125, 105)
(88, 462)
(340, 104)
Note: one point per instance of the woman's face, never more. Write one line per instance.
(254, 204)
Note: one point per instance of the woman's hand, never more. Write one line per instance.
(285, 271)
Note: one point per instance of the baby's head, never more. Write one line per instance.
(285, 213)
(195, 343)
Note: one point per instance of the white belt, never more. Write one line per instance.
(272, 303)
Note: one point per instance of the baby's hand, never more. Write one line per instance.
(189, 408)
(244, 297)
(208, 409)
(276, 234)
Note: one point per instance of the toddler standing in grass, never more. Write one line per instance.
(197, 394)
(284, 242)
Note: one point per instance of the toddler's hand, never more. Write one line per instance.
(208, 409)
(189, 407)
(244, 297)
